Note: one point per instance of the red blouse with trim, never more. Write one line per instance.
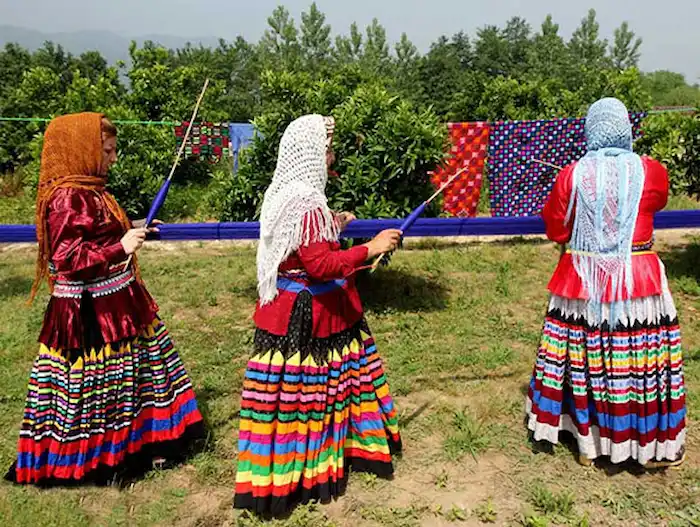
(334, 311)
(85, 241)
(646, 266)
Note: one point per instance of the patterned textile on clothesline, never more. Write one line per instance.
(469, 148)
(208, 141)
(520, 186)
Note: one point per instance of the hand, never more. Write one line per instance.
(386, 241)
(344, 218)
(140, 224)
(133, 240)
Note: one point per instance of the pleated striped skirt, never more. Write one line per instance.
(620, 391)
(309, 416)
(89, 413)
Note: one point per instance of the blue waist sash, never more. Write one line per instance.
(287, 284)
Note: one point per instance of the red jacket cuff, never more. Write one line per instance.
(115, 253)
(358, 255)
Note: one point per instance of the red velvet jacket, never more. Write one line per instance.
(334, 311)
(85, 242)
(645, 265)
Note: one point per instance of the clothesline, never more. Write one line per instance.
(46, 120)
(655, 111)
(519, 154)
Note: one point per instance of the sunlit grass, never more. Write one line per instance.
(458, 328)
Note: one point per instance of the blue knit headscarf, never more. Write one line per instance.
(607, 188)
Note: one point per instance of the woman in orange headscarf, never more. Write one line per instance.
(108, 391)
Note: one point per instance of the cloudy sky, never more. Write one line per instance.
(669, 28)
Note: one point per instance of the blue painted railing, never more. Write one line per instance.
(427, 227)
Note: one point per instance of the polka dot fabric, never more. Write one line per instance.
(469, 149)
(519, 186)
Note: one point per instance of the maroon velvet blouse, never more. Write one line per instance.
(86, 251)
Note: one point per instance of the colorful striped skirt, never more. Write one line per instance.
(90, 414)
(619, 392)
(309, 415)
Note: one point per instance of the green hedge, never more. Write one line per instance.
(384, 146)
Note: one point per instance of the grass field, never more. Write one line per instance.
(458, 327)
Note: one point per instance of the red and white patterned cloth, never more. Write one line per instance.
(469, 150)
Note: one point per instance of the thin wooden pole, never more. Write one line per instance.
(380, 258)
(181, 150)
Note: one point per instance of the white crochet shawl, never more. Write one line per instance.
(295, 204)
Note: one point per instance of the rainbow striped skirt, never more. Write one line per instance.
(619, 391)
(91, 414)
(309, 413)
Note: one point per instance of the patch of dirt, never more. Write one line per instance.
(429, 483)
(673, 237)
(210, 507)
(17, 247)
(433, 492)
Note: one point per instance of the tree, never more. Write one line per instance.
(93, 94)
(407, 76)
(238, 67)
(14, 61)
(92, 65)
(625, 51)
(152, 89)
(510, 98)
(349, 48)
(315, 37)
(548, 55)
(39, 94)
(585, 45)
(674, 139)
(406, 52)
(668, 88)
(280, 42)
(385, 146)
(492, 52)
(517, 35)
(503, 72)
(442, 73)
(462, 50)
(55, 58)
(376, 49)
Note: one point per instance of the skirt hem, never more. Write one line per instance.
(593, 446)
(323, 493)
(133, 466)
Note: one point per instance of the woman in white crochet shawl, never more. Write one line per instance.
(315, 400)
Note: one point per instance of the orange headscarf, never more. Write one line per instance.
(71, 158)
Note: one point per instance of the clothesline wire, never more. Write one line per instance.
(684, 109)
(46, 120)
(145, 123)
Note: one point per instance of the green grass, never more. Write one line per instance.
(682, 202)
(468, 436)
(458, 327)
(486, 512)
(557, 505)
(17, 209)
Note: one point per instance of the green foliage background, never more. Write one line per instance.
(390, 103)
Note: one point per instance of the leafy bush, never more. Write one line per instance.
(146, 154)
(674, 139)
(387, 140)
(384, 146)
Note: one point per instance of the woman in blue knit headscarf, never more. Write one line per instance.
(609, 368)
